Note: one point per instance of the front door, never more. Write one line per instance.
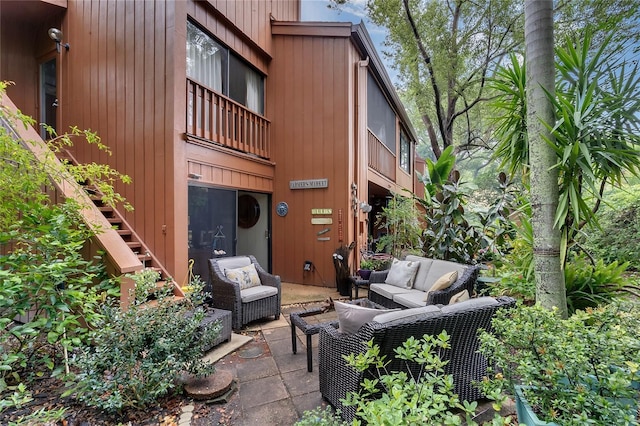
(254, 234)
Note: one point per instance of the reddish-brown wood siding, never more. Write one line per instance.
(311, 86)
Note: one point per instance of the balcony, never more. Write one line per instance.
(381, 159)
(215, 118)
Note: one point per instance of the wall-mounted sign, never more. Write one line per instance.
(321, 221)
(309, 183)
(324, 231)
(324, 239)
(321, 211)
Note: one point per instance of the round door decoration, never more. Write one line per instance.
(282, 209)
(248, 211)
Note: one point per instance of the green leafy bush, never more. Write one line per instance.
(139, 354)
(577, 371)
(395, 398)
(321, 417)
(45, 279)
(618, 239)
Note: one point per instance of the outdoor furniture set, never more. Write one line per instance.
(391, 328)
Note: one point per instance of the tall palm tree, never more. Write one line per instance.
(540, 83)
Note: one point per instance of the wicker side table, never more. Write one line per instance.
(224, 317)
(297, 320)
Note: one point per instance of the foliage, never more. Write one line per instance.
(42, 416)
(443, 54)
(400, 219)
(452, 233)
(139, 353)
(374, 264)
(569, 365)
(596, 133)
(321, 417)
(618, 237)
(398, 397)
(45, 277)
(437, 173)
(588, 284)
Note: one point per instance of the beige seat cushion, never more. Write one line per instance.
(388, 290)
(412, 299)
(256, 293)
(420, 282)
(402, 273)
(443, 282)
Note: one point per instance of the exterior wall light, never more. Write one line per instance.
(56, 35)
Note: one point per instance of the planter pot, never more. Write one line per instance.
(364, 273)
(527, 416)
(525, 412)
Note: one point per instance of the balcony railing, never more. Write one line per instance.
(214, 117)
(381, 159)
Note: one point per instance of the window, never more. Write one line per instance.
(381, 119)
(213, 65)
(405, 152)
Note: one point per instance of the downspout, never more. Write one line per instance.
(361, 157)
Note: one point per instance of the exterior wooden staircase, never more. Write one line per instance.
(126, 232)
(124, 251)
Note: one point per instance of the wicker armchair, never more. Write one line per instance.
(249, 304)
(461, 321)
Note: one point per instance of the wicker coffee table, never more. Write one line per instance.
(310, 328)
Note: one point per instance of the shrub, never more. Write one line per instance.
(400, 398)
(138, 354)
(321, 417)
(577, 371)
(45, 278)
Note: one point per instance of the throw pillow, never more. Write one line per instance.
(459, 297)
(402, 273)
(246, 276)
(443, 282)
(352, 317)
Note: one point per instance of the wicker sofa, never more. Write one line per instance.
(461, 321)
(248, 304)
(429, 271)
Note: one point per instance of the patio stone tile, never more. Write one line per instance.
(289, 361)
(275, 414)
(282, 346)
(300, 382)
(308, 402)
(257, 368)
(279, 333)
(262, 391)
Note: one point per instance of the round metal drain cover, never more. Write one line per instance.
(253, 351)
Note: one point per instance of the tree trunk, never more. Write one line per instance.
(550, 286)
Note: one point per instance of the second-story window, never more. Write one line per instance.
(215, 66)
(381, 119)
(405, 152)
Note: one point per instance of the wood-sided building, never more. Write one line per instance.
(245, 130)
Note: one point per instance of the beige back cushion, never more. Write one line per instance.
(441, 267)
(420, 282)
(233, 263)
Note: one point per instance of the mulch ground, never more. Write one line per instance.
(166, 412)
